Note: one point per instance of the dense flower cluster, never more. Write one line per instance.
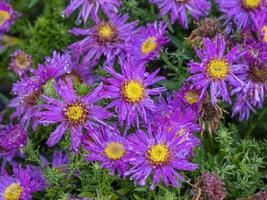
(125, 120)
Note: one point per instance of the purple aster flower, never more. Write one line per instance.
(178, 9)
(109, 148)
(89, 7)
(108, 38)
(188, 96)
(260, 23)
(254, 74)
(217, 69)
(72, 112)
(131, 92)
(59, 161)
(12, 138)
(26, 92)
(241, 12)
(7, 16)
(20, 62)
(21, 184)
(160, 155)
(146, 44)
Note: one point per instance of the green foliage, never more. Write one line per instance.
(239, 162)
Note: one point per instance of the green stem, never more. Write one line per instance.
(168, 63)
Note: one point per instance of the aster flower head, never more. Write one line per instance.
(26, 92)
(91, 8)
(107, 38)
(254, 75)
(72, 112)
(131, 91)
(21, 184)
(178, 9)
(260, 26)
(146, 44)
(241, 12)
(107, 146)
(188, 96)
(12, 138)
(7, 16)
(159, 154)
(20, 62)
(217, 69)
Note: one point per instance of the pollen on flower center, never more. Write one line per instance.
(114, 151)
(149, 45)
(264, 29)
(159, 154)
(21, 61)
(133, 91)
(76, 113)
(4, 16)
(13, 192)
(217, 69)
(192, 96)
(251, 4)
(105, 32)
(258, 73)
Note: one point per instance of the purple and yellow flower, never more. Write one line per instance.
(254, 75)
(106, 38)
(159, 154)
(20, 62)
(241, 12)
(72, 112)
(131, 92)
(178, 9)
(91, 8)
(147, 43)
(109, 148)
(21, 184)
(217, 69)
(260, 23)
(7, 17)
(188, 97)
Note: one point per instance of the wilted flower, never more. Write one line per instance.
(71, 112)
(131, 92)
(91, 8)
(217, 69)
(108, 38)
(108, 147)
(21, 184)
(178, 9)
(210, 187)
(146, 44)
(160, 154)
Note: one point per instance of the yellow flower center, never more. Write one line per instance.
(133, 91)
(114, 151)
(76, 113)
(191, 96)
(217, 69)
(149, 45)
(105, 32)
(159, 154)
(22, 62)
(251, 4)
(264, 29)
(4, 16)
(13, 192)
